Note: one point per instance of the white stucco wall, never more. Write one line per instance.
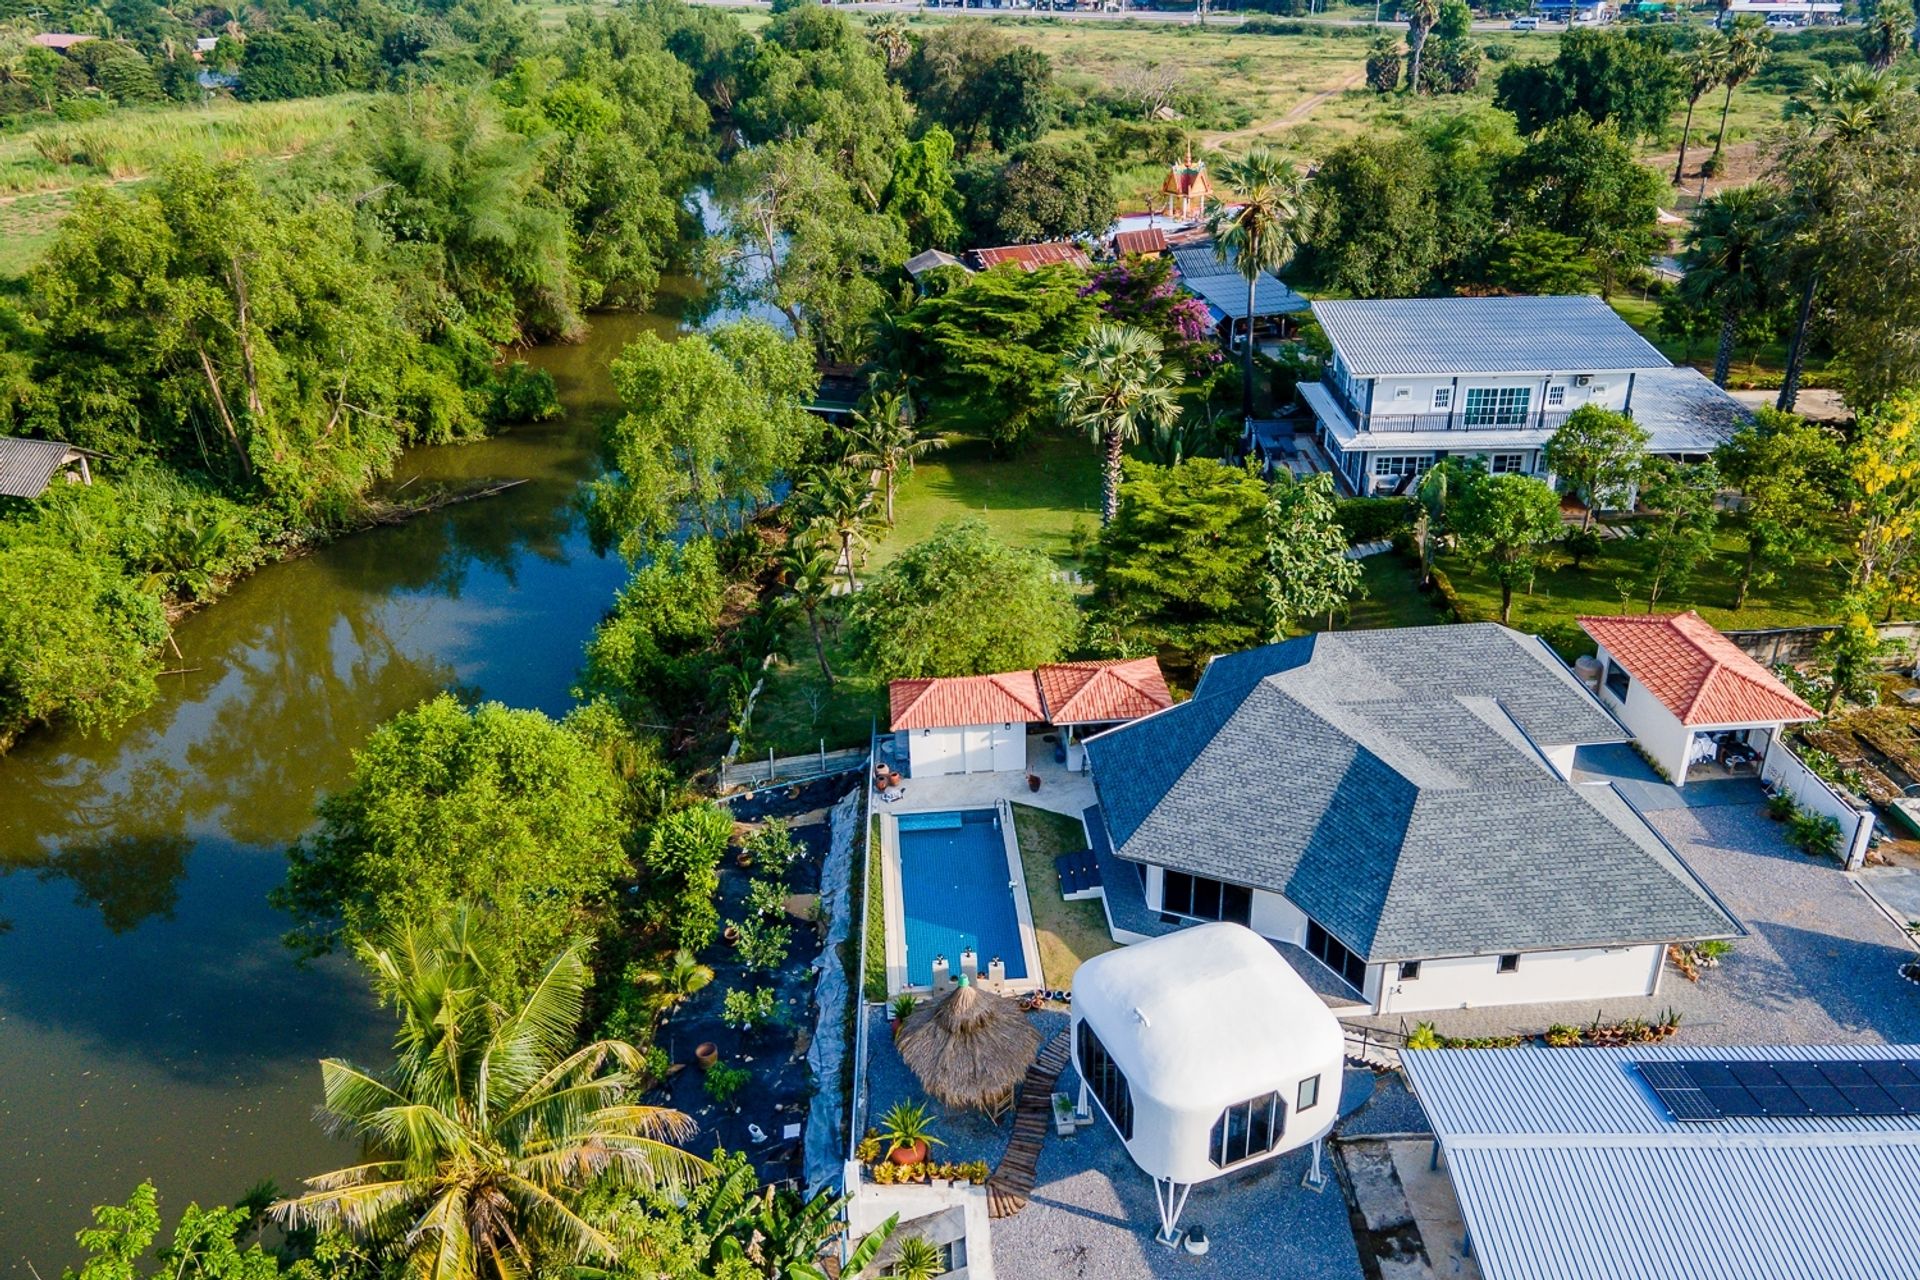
(873, 1204)
(1657, 730)
(1606, 389)
(974, 748)
(1543, 977)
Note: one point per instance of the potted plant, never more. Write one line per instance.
(907, 1130)
(1064, 1121)
(1033, 782)
(919, 1259)
(731, 933)
(707, 1053)
(900, 1010)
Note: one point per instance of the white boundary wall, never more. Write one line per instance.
(1784, 771)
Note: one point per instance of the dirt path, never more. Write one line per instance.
(1299, 113)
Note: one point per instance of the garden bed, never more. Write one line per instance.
(775, 1090)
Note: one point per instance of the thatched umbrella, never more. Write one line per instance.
(970, 1050)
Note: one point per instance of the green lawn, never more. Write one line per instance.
(1392, 599)
(1031, 499)
(1068, 932)
(873, 980)
(797, 708)
(1808, 593)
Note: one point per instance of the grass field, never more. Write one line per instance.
(1808, 593)
(1068, 933)
(1032, 499)
(43, 166)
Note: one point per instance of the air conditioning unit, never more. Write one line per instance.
(1582, 379)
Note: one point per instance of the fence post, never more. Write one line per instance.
(769, 766)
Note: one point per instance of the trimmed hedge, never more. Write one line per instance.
(1372, 519)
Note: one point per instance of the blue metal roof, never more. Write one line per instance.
(1221, 286)
(1567, 1168)
(1483, 335)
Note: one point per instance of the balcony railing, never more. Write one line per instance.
(1535, 420)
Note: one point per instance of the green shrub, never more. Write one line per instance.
(747, 1009)
(1373, 519)
(689, 841)
(762, 945)
(766, 899)
(723, 1082)
(1814, 834)
(773, 848)
(696, 911)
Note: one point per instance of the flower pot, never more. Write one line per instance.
(908, 1155)
(731, 933)
(1033, 782)
(743, 860)
(707, 1055)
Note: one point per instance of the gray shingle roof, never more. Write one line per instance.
(1483, 335)
(1389, 785)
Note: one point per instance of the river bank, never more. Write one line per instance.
(151, 1023)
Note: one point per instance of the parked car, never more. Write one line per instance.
(1524, 24)
(1783, 22)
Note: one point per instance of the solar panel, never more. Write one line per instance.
(1807, 1088)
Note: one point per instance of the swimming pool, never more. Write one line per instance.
(955, 893)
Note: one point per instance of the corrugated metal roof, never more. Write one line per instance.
(1221, 286)
(27, 466)
(1694, 671)
(1483, 335)
(1029, 257)
(1567, 1168)
(1683, 412)
(1148, 240)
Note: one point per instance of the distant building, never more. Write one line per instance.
(1150, 243)
(1220, 285)
(932, 260)
(27, 467)
(61, 40)
(1187, 187)
(1413, 380)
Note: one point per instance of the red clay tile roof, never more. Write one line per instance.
(1092, 692)
(1150, 240)
(1029, 256)
(1008, 697)
(61, 40)
(1695, 672)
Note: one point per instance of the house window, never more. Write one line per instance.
(1617, 681)
(1246, 1129)
(1205, 899)
(1443, 397)
(1331, 952)
(1401, 464)
(1409, 970)
(1498, 406)
(1510, 963)
(1556, 396)
(1106, 1083)
(1309, 1095)
(1507, 463)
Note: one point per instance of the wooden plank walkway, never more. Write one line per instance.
(1012, 1183)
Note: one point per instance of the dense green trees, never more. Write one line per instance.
(1508, 521)
(986, 355)
(975, 80)
(1309, 574)
(1789, 473)
(1373, 233)
(492, 805)
(1043, 191)
(711, 420)
(1179, 572)
(1583, 181)
(647, 658)
(963, 603)
(1597, 453)
(1621, 77)
(1727, 267)
(204, 1246)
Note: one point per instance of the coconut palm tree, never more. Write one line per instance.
(679, 981)
(807, 567)
(1116, 386)
(476, 1140)
(840, 497)
(1260, 232)
(1726, 259)
(883, 437)
(1742, 54)
(1421, 17)
(1699, 73)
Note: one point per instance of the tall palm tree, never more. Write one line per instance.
(1726, 260)
(1889, 32)
(477, 1138)
(1421, 17)
(1117, 386)
(884, 437)
(841, 496)
(1699, 73)
(806, 567)
(1260, 232)
(1742, 54)
(1835, 111)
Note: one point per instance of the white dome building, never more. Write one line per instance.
(1207, 1053)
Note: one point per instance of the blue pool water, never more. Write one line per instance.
(955, 893)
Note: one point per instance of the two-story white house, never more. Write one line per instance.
(1414, 380)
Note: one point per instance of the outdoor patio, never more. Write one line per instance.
(1060, 790)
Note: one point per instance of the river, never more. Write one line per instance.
(152, 1025)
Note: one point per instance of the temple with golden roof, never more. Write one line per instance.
(1187, 187)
